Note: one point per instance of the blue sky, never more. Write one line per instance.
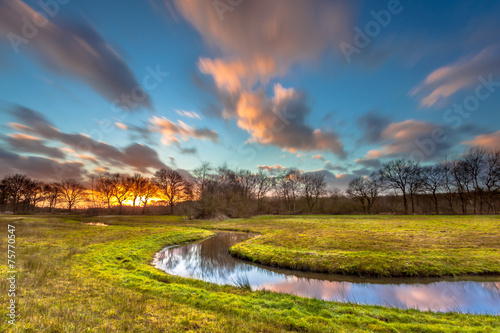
(251, 83)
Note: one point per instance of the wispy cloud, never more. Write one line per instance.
(440, 85)
(175, 132)
(135, 156)
(408, 137)
(75, 50)
(27, 143)
(188, 114)
(489, 141)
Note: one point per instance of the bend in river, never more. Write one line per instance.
(209, 260)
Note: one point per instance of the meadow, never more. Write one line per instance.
(388, 246)
(76, 277)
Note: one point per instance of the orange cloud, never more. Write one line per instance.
(231, 75)
(410, 136)
(279, 121)
(259, 41)
(172, 132)
(22, 136)
(121, 126)
(489, 141)
(271, 167)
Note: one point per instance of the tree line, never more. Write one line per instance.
(468, 184)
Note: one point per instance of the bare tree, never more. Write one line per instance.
(105, 187)
(51, 193)
(14, 189)
(72, 192)
(364, 190)
(137, 187)
(202, 175)
(147, 190)
(462, 182)
(209, 191)
(121, 187)
(415, 185)
(247, 182)
(475, 163)
(314, 186)
(288, 186)
(173, 186)
(33, 193)
(400, 175)
(4, 198)
(262, 187)
(449, 186)
(491, 179)
(434, 181)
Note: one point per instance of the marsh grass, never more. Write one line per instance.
(242, 282)
(81, 278)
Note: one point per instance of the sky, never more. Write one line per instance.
(333, 87)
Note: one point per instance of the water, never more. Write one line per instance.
(210, 261)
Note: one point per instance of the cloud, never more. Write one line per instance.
(188, 114)
(26, 143)
(88, 158)
(337, 167)
(101, 169)
(372, 124)
(76, 50)
(142, 157)
(488, 141)
(271, 168)
(362, 172)
(189, 150)
(121, 126)
(259, 41)
(262, 39)
(446, 81)
(343, 179)
(136, 156)
(42, 168)
(281, 121)
(373, 163)
(335, 180)
(318, 157)
(174, 133)
(414, 139)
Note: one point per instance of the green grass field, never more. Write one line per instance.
(417, 246)
(74, 277)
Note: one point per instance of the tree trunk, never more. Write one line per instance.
(435, 202)
(405, 203)
(412, 203)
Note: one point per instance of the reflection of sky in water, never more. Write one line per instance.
(210, 261)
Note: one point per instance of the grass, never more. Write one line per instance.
(395, 246)
(81, 278)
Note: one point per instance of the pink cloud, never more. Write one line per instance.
(446, 81)
(489, 141)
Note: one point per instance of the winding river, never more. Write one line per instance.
(209, 260)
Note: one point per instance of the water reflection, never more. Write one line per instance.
(210, 261)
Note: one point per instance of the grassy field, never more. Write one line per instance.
(74, 277)
(414, 246)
